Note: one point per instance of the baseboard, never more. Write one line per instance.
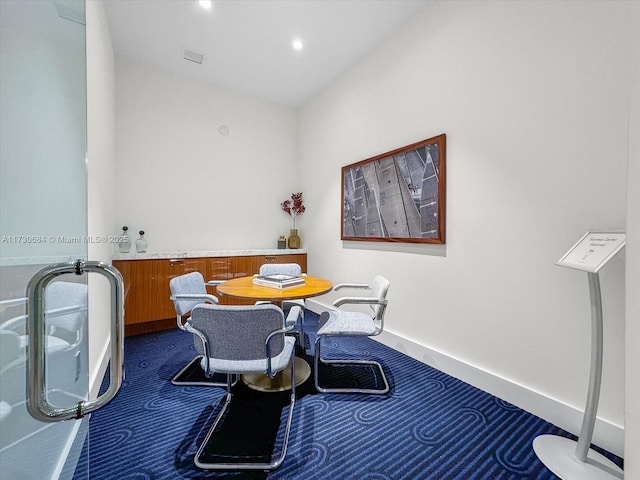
(606, 434)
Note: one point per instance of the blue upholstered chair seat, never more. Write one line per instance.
(346, 323)
(338, 323)
(54, 344)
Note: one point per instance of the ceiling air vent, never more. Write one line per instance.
(71, 13)
(193, 56)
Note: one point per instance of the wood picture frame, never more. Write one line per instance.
(398, 196)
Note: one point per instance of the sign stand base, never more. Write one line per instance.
(559, 455)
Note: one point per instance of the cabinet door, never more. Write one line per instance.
(244, 266)
(299, 258)
(139, 288)
(217, 269)
(165, 270)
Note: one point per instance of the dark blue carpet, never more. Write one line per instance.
(429, 426)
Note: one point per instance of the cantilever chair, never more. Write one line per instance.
(286, 269)
(244, 339)
(66, 319)
(66, 310)
(12, 372)
(354, 324)
(187, 291)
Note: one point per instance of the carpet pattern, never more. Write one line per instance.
(429, 426)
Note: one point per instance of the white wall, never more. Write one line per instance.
(100, 178)
(186, 184)
(632, 367)
(533, 97)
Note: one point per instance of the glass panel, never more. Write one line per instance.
(43, 220)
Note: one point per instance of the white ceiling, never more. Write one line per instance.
(247, 43)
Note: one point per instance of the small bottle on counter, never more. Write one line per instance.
(141, 243)
(124, 245)
(282, 242)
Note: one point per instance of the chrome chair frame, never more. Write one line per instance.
(193, 297)
(379, 306)
(289, 325)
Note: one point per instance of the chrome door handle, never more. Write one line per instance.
(37, 403)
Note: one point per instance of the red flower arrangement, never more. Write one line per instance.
(294, 207)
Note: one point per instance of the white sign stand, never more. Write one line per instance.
(566, 458)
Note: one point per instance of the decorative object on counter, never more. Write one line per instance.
(294, 207)
(124, 245)
(282, 242)
(141, 243)
(294, 239)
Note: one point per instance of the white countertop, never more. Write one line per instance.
(204, 253)
(46, 260)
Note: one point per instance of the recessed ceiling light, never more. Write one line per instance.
(205, 4)
(297, 44)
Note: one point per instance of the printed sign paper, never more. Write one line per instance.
(593, 251)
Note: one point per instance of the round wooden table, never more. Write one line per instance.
(244, 288)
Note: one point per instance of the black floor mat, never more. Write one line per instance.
(192, 374)
(248, 431)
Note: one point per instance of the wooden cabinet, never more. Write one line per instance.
(165, 270)
(139, 290)
(147, 304)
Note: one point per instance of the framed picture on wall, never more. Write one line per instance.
(398, 196)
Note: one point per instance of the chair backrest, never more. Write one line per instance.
(190, 283)
(12, 371)
(280, 269)
(379, 288)
(239, 332)
(9, 347)
(62, 295)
